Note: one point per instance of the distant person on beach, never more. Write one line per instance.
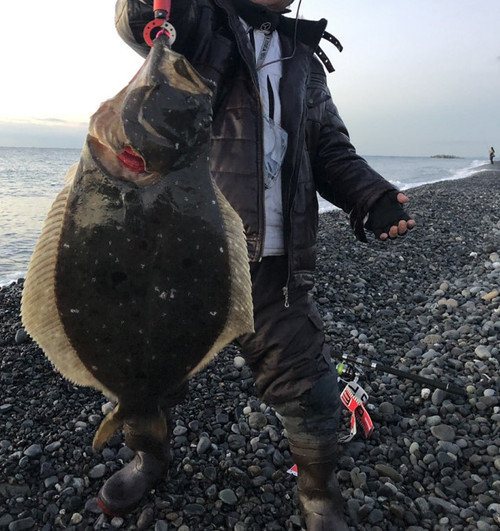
(492, 154)
(277, 141)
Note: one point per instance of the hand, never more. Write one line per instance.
(387, 218)
(403, 226)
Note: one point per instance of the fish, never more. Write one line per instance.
(140, 275)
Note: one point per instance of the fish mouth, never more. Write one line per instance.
(126, 164)
(131, 160)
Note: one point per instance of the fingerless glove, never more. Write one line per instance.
(385, 213)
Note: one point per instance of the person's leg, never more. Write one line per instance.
(311, 423)
(124, 490)
(294, 374)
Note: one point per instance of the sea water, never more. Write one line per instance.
(30, 179)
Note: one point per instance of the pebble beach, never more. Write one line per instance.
(427, 304)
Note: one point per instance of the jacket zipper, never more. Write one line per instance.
(285, 292)
(259, 246)
(293, 189)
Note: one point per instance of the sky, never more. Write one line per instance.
(416, 77)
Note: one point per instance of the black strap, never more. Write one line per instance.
(324, 59)
(331, 38)
(322, 55)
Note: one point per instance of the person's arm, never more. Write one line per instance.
(345, 179)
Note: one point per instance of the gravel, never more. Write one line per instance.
(429, 305)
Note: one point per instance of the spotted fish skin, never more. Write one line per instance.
(141, 276)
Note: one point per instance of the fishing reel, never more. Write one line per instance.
(354, 398)
(349, 371)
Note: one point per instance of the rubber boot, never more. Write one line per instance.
(320, 498)
(125, 489)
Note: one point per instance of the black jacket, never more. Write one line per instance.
(319, 158)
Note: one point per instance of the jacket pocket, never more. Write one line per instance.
(317, 91)
(316, 98)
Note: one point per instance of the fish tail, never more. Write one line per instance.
(109, 426)
(147, 434)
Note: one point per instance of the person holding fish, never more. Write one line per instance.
(277, 140)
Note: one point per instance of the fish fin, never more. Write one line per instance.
(70, 175)
(240, 319)
(109, 426)
(142, 433)
(147, 434)
(39, 311)
(240, 315)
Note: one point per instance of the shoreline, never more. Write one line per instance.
(324, 206)
(428, 304)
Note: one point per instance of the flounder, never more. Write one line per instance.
(141, 274)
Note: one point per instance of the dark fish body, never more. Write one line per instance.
(141, 273)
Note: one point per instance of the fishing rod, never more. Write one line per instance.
(160, 23)
(451, 388)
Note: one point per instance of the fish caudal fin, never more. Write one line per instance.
(146, 433)
(109, 426)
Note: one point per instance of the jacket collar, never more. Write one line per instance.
(256, 16)
(308, 32)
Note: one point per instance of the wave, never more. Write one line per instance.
(452, 174)
(11, 278)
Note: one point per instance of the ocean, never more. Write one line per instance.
(30, 179)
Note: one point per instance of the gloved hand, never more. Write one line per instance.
(387, 217)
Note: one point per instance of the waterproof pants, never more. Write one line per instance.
(291, 365)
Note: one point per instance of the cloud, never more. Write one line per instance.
(42, 132)
(56, 121)
(35, 121)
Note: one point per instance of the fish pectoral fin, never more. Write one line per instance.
(109, 426)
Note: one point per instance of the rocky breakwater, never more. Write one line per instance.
(429, 305)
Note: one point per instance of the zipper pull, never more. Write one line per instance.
(285, 294)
